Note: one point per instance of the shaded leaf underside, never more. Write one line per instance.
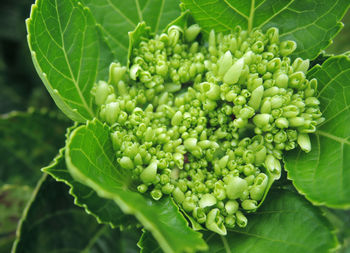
(52, 209)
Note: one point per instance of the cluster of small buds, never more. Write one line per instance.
(166, 62)
(207, 123)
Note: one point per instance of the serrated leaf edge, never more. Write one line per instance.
(25, 212)
(70, 112)
(123, 206)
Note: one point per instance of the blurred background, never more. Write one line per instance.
(24, 146)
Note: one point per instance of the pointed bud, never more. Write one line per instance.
(126, 163)
(241, 219)
(234, 72)
(225, 63)
(192, 32)
(304, 142)
(112, 112)
(255, 99)
(116, 73)
(273, 166)
(212, 40)
(102, 91)
(148, 175)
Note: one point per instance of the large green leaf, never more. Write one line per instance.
(116, 18)
(65, 48)
(90, 159)
(104, 210)
(28, 141)
(52, 223)
(285, 223)
(323, 175)
(312, 24)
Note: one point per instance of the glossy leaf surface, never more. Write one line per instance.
(312, 24)
(323, 175)
(65, 48)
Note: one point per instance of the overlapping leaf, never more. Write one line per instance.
(104, 210)
(340, 219)
(285, 223)
(52, 209)
(65, 48)
(13, 199)
(90, 159)
(148, 244)
(29, 140)
(312, 24)
(323, 175)
(117, 18)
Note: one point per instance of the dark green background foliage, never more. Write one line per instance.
(55, 220)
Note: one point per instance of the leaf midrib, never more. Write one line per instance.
(333, 137)
(75, 82)
(269, 239)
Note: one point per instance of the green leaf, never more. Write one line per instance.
(135, 37)
(90, 159)
(147, 243)
(285, 223)
(341, 44)
(29, 141)
(52, 223)
(114, 240)
(312, 24)
(65, 48)
(181, 20)
(323, 175)
(104, 210)
(116, 18)
(13, 199)
(340, 219)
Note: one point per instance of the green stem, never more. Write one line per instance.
(227, 247)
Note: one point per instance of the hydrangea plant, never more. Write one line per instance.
(191, 122)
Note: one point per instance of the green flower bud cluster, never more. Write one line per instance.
(207, 123)
(166, 62)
